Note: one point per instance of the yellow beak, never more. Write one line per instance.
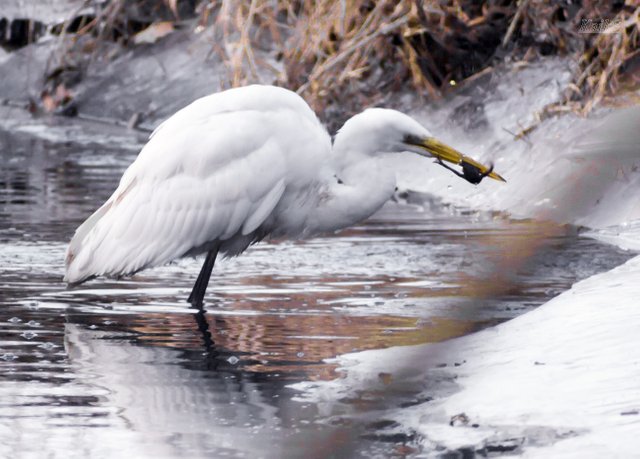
(444, 152)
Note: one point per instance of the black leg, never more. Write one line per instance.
(200, 287)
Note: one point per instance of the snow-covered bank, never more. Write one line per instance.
(567, 371)
(568, 169)
(560, 381)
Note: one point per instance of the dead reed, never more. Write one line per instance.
(350, 53)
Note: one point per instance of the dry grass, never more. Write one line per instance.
(354, 52)
(323, 48)
(607, 64)
(334, 51)
(610, 63)
(344, 54)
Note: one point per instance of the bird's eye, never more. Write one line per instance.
(410, 139)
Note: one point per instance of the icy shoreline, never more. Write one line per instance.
(560, 381)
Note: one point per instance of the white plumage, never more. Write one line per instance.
(235, 167)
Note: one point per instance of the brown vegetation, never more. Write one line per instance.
(351, 53)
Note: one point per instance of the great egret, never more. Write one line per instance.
(235, 167)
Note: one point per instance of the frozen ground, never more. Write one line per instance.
(49, 11)
(570, 169)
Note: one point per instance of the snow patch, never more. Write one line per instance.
(556, 381)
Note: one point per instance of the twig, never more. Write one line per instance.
(512, 27)
(337, 59)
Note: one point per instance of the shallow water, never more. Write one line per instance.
(113, 368)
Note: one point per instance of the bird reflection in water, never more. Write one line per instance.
(207, 340)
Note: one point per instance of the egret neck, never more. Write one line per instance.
(360, 188)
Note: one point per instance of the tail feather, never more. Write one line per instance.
(75, 273)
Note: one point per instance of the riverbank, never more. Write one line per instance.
(558, 381)
(68, 57)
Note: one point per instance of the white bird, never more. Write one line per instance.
(235, 167)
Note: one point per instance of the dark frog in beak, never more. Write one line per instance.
(472, 171)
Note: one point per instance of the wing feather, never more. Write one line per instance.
(263, 208)
(214, 171)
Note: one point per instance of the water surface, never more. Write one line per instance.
(113, 368)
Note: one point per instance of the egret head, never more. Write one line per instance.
(378, 131)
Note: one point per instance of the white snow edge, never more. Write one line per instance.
(562, 380)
